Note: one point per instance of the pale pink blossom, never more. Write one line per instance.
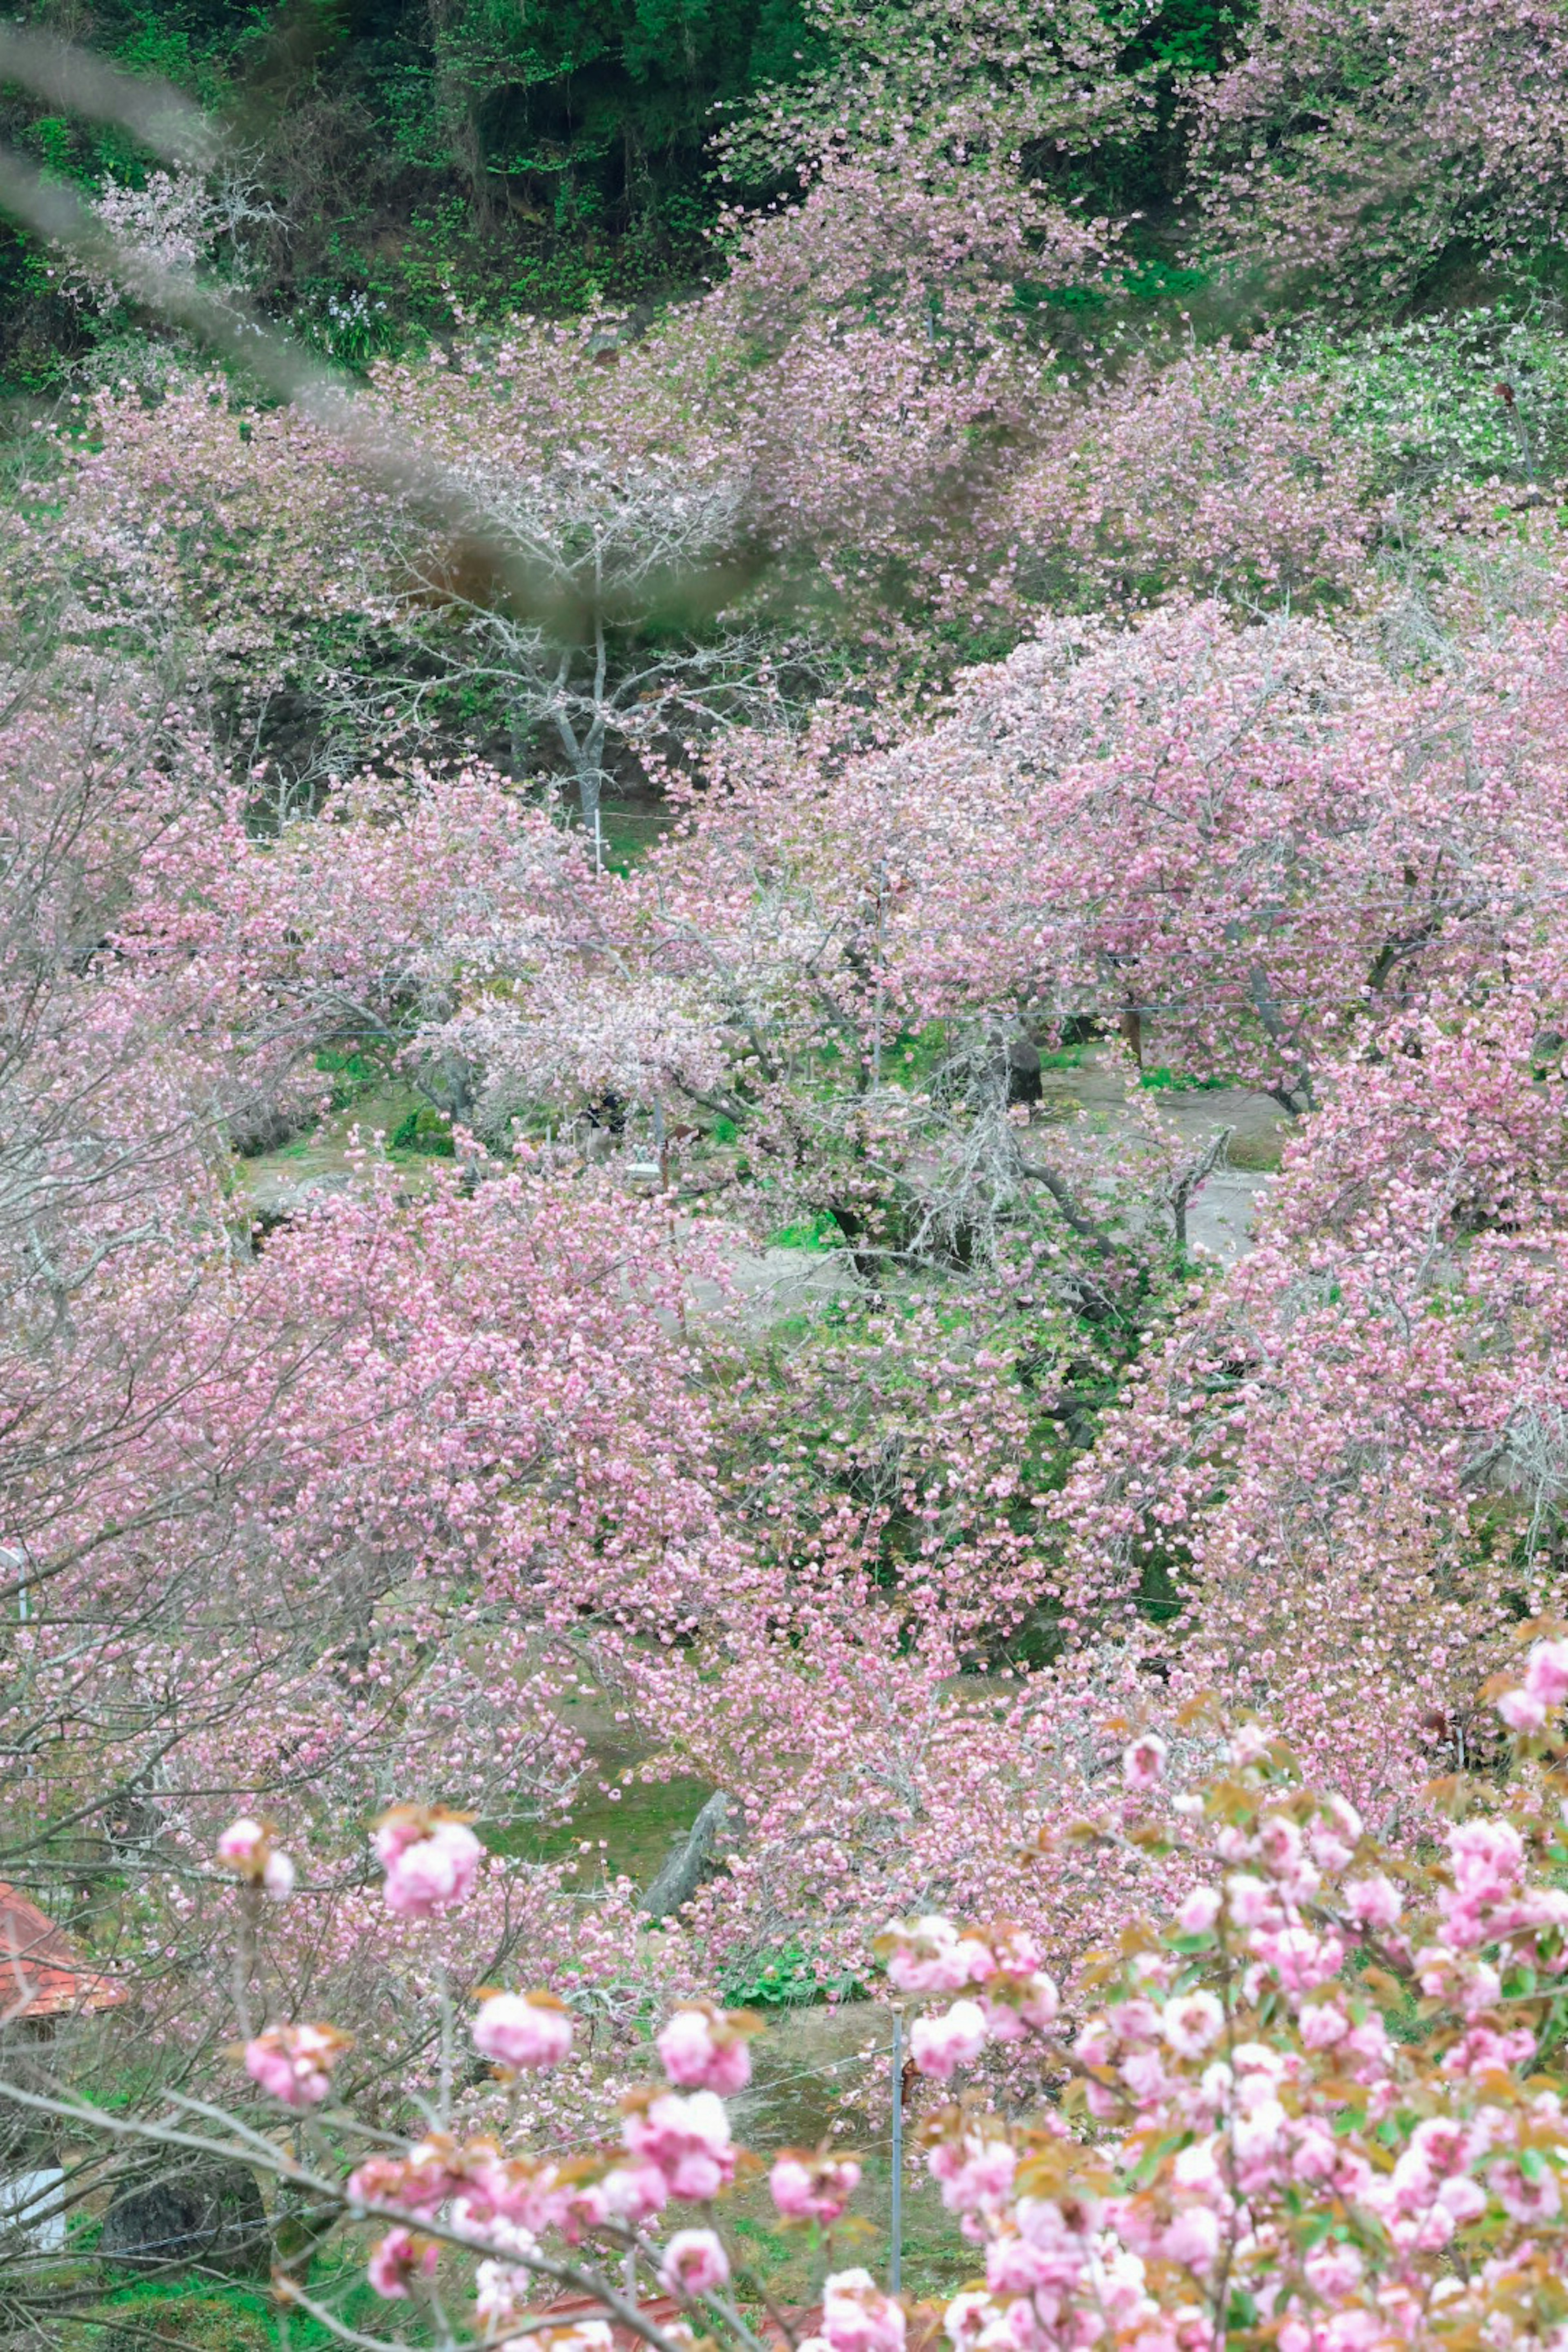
(1486, 1856)
(1464, 2199)
(500, 2293)
(1198, 1913)
(278, 1875)
(1193, 2238)
(1143, 1762)
(857, 2316)
(635, 2192)
(1373, 1902)
(941, 2044)
(813, 2188)
(693, 2263)
(247, 1847)
(1323, 2023)
(1192, 2023)
(1251, 1901)
(399, 2258)
(1546, 1672)
(686, 2139)
(1333, 2269)
(929, 1955)
(1522, 1710)
(432, 1864)
(523, 2029)
(1251, 1744)
(293, 2063)
(701, 2051)
(241, 1843)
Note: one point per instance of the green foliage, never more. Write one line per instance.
(818, 1232)
(1156, 279)
(1442, 402)
(1164, 1080)
(424, 1131)
(353, 1074)
(206, 2314)
(787, 1978)
(195, 2312)
(541, 154)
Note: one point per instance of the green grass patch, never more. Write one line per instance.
(788, 1978)
(425, 1132)
(818, 1232)
(353, 1074)
(1164, 1080)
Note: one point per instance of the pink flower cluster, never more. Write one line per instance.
(1276, 2089)
(1525, 1708)
(704, 2050)
(813, 2188)
(431, 1858)
(1143, 1761)
(397, 2260)
(523, 2029)
(685, 2141)
(248, 1848)
(694, 2263)
(293, 2063)
(1016, 1995)
(858, 2317)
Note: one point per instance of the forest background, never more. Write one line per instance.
(536, 157)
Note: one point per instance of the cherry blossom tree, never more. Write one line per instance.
(1232, 2136)
(1363, 147)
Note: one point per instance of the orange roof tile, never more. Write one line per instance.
(40, 1975)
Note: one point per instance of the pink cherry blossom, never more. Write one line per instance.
(293, 2063)
(1192, 2023)
(693, 2263)
(701, 2051)
(278, 1876)
(635, 2192)
(432, 1862)
(1193, 2238)
(1143, 1762)
(813, 2188)
(397, 2260)
(929, 1955)
(247, 1847)
(686, 2139)
(857, 2316)
(941, 2044)
(1523, 1711)
(1198, 1911)
(1375, 1902)
(241, 1843)
(1546, 1670)
(524, 2030)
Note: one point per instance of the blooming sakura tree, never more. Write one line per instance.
(1333, 1424)
(595, 601)
(908, 90)
(391, 1469)
(1308, 2100)
(1303, 846)
(596, 542)
(173, 225)
(1366, 145)
(951, 1584)
(1213, 473)
(240, 1550)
